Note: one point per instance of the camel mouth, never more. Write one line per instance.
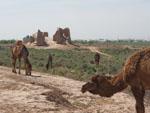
(89, 86)
(83, 91)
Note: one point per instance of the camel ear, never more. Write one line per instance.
(100, 79)
(95, 79)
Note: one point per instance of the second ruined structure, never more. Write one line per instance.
(62, 36)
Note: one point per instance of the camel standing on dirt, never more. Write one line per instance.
(136, 74)
(20, 51)
(49, 61)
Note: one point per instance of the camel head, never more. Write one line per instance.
(100, 85)
(19, 43)
(89, 86)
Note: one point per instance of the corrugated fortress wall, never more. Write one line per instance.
(62, 36)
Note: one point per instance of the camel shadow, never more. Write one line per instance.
(33, 76)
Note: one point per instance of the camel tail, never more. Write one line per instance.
(132, 63)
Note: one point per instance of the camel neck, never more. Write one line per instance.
(118, 83)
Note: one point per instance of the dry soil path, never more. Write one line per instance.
(43, 93)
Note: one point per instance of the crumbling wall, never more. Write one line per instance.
(62, 36)
(40, 39)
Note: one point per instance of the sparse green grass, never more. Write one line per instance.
(69, 63)
(73, 63)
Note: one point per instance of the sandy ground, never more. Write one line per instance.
(42, 93)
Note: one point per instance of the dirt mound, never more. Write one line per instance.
(56, 96)
(51, 45)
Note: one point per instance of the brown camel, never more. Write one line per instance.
(136, 74)
(50, 59)
(19, 51)
(97, 58)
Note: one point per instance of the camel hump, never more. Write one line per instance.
(19, 49)
(133, 62)
(18, 45)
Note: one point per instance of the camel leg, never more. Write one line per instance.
(14, 65)
(51, 64)
(139, 97)
(25, 65)
(26, 72)
(29, 73)
(47, 66)
(19, 66)
(26, 69)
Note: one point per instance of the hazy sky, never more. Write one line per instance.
(87, 19)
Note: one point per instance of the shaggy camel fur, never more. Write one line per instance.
(20, 51)
(50, 59)
(136, 74)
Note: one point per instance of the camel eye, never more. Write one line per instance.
(95, 79)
